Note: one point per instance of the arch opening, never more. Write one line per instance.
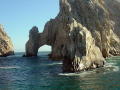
(44, 50)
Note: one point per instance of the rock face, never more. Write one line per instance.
(83, 34)
(6, 46)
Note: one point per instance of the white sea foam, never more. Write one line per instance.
(112, 67)
(81, 74)
(108, 68)
(116, 69)
(51, 64)
(10, 67)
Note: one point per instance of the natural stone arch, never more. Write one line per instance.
(81, 34)
(36, 40)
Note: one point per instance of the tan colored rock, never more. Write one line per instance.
(82, 34)
(6, 46)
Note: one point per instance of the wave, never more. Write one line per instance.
(112, 67)
(10, 67)
(81, 74)
(60, 63)
(108, 68)
(52, 64)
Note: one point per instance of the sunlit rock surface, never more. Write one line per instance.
(83, 34)
(6, 46)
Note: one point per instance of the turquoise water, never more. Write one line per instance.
(40, 73)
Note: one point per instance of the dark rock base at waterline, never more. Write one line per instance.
(75, 67)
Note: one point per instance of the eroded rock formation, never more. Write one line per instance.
(83, 34)
(6, 46)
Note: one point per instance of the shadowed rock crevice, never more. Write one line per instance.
(83, 34)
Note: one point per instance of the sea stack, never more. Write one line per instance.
(6, 46)
(83, 34)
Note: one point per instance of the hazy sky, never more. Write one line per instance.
(19, 16)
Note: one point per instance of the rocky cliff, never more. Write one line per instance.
(6, 46)
(83, 34)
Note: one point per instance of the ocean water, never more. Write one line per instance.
(41, 73)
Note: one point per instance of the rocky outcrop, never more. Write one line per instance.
(113, 7)
(32, 44)
(83, 34)
(6, 46)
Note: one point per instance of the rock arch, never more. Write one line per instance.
(82, 34)
(36, 40)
